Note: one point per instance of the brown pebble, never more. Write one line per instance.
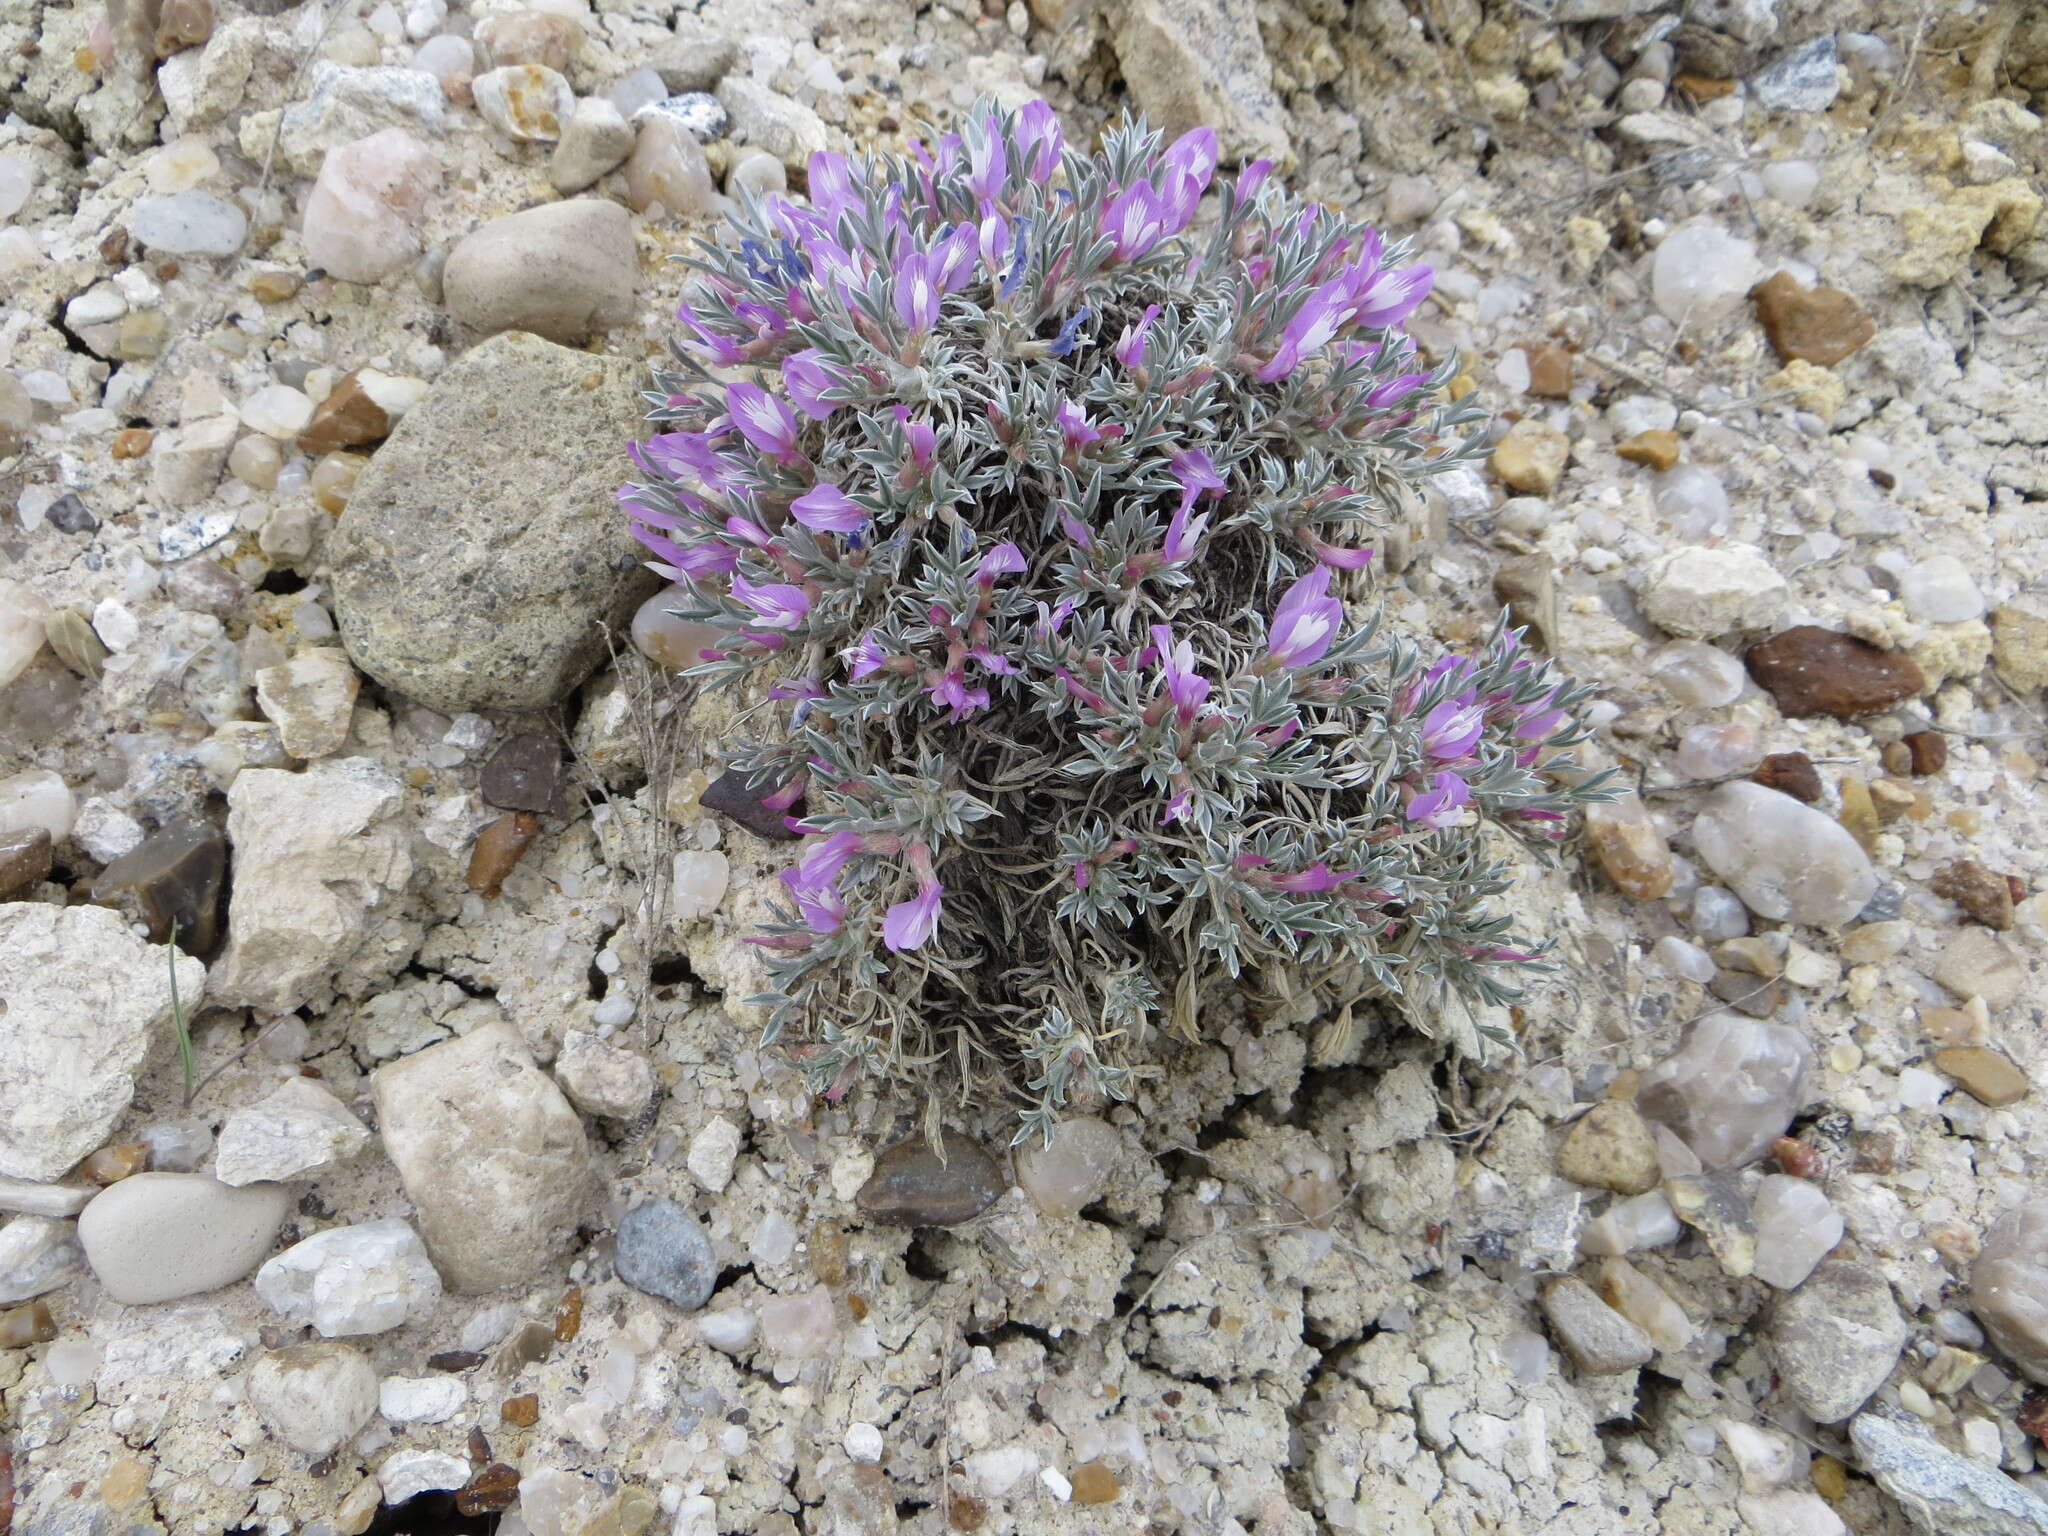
(1990, 1076)
(1897, 757)
(455, 1361)
(478, 1446)
(25, 1325)
(2032, 1419)
(532, 1342)
(25, 860)
(1984, 894)
(1094, 1483)
(1789, 773)
(569, 1315)
(1815, 671)
(171, 883)
(728, 796)
(1927, 752)
(1631, 848)
(1859, 813)
(1657, 448)
(499, 848)
(1527, 587)
(523, 1410)
(132, 442)
(491, 1491)
(828, 1252)
(1895, 798)
(112, 1164)
(347, 418)
(183, 24)
(1800, 1159)
(525, 773)
(114, 246)
(1701, 51)
(274, 287)
(1815, 325)
(1702, 89)
(1753, 995)
(1550, 372)
(1830, 1478)
(911, 1187)
(968, 1512)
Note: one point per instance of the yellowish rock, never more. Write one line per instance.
(1531, 457)
(1812, 387)
(1611, 1148)
(1941, 236)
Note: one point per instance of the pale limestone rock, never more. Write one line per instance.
(310, 699)
(1730, 1089)
(787, 129)
(602, 1079)
(1836, 1339)
(492, 1155)
(321, 860)
(1702, 591)
(86, 1001)
(2009, 1287)
(299, 1130)
(37, 1254)
(1072, 1172)
(159, 1236)
(1600, 1341)
(367, 1278)
(714, 1152)
(562, 270)
(314, 1396)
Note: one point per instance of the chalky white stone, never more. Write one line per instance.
(714, 1152)
(1684, 960)
(314, 1396)
(1939, 590)
(158, 1236)
(37, 797)
(37, 1254)
(701, 878)
(1787, 861)
(362, 217)
(1696, 674)
(22, 616)
(602, 1079)
(17, 180)
(1070, 1174)
(189, 224)
(731, 1330)
(277, 410)
(1701, 275)
(421, 1399)
(346, 1281)
(311, 700)
(1700, 591)
(524, 101)
(1796, 1227)
(1730, 1089)
(408, 1474)
(299, 1129)
(799, 1326)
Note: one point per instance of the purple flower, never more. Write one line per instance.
(1321, 314)
(1453, 728)
(1392, 296)
(911, 924)
(992, 240)
(806, 376)
(952, 691)
(1069, 336)
(1039, 139)
(1251, 178)
(919, 436)
(1183, 534)
(1002, 666)
(822, 908)
(1052, 620)
(1134, 221)
(825, 508)
(1076, 530)
(1195, 471)
(1130, 347)
(1396, 389)
(1317, 877)
(917, 294)
(1180, 194)
(763, 420)
(1186, 687)
(951, 260)
(1305, 622)
(796, 688)
(683, 455)
(1341, 559)
(1537, 720)
(1006, 559)
(819, 868)
(779, 605)
(706, 344)
(988, 162)
(864, 659)
(1439, 807)
(1193, 154)
(831, 184)
(1075, 431)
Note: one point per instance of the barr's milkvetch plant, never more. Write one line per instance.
(1035, 500)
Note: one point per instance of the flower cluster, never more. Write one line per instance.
(1033, 482)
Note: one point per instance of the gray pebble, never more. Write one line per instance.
(661, 1250)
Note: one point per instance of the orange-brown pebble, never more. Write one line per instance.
(1630, 847)
(1550, 372)
(1859, 812)
(347, 418)
(333, 480)
(274, 287)
(132, 442)
(569, 1315)
(523, 1410)
(126, 1481)
(1094, 1483)
(828, 1253)
(1702, 89)
(968, 1512)
(1796, 1157)
(499, 848)
(1658, 449)
(25, 1325)
(112, 1164)
(1830, 1478)
(857, 1305)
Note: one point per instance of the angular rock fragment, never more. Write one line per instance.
(1815, 671)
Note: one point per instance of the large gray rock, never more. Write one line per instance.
(2009, 1287)
(1836, 1340)
(562, 270)
(1195, 62)
(493, 1157)
(322, 859)
(84, 1000)
(1940, 1491)
(481, 550)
